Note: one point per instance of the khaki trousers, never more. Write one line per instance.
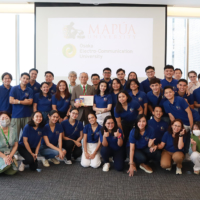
(167, 157)
(19, 123)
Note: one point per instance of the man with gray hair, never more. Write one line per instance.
(72, 81)
(82, 89)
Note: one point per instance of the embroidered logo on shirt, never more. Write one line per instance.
(52, 91)
(67, 100)
(57, 132)
(146, 138)
(162, 128)
(39, 133)
(26, 94)
(139, 99)
(109, 84)
(35, 88)
(49, 99)
(131, 109)
(178, 107)
(105, 99)
(97, 133)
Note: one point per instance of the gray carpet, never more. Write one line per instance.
(75, 182)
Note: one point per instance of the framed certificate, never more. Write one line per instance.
(88, 100)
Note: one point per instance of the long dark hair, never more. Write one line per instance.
(119, 107)
(130, 81)
(98, 89)
(119, 82)
(137, 130)
(53, 112)
(130, 74)
(104, 125)
(67, 94)
(41, 93)
(32, 123)
(177, 134)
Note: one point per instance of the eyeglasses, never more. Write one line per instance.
(150, 72)
(177, 126)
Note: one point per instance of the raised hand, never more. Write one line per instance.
(106, 134)
(183, 132)
(116, 134)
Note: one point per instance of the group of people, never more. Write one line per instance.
(155, 120)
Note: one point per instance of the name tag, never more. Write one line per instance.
(7, 152)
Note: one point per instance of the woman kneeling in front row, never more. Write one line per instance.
(30, 141)
(111, 138)
(73, 134)
(173, 144)
(91, 143)
(51, 145)
(142, 148)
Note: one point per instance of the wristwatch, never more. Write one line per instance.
(180, 135)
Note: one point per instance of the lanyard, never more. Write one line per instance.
(85, 89)
(6, 139)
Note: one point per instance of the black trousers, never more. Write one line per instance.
(127, 127)
(72, 149)
(28, 158)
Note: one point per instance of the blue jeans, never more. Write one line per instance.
(48, 152)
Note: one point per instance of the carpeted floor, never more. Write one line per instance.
(75, 182)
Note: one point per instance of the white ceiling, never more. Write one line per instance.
(184, 3)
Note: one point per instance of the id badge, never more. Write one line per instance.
(6, 152)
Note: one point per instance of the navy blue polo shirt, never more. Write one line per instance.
(146, 85)
(112, 140)
(190, 98)
(52, 136)
(109, 83)
(72, 132)
(92, 137)
(35, 87)
(177, 109)
(44, 104)
(4, 99)
(33, 136)
(130, 114)
(124, 86)
(169, 143)
(159, 129)
(173, 83)
(196, 95)
(140, 97)
(153, 99)
(62, 105)
(102, 101)
(52, 90)
(19, 110)
(114, 100)
(143, 140)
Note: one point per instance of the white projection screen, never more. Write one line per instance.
(88, 38)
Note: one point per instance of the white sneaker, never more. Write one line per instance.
(67, 162)
(21, 167)
(54, 161)
(57, 158)
(178, 170)
(106, 167)
(169, 169)
(45, 163)
(16, 157)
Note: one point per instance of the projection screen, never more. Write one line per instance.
(86, 38)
